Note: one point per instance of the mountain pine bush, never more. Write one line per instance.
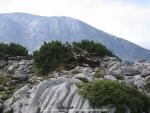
(106, 92)
(51, 56)
(93, 47)
(13, 49)
(55, 55)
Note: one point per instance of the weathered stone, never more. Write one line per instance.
(109, 77)
(143, 68)
(19, 69)
(52, 96)
(136, 80)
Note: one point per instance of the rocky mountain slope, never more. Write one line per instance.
(59, 92)
(31, 31)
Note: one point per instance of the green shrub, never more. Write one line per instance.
(148, 84)
(55, 55)
(119, 77)
(93, 47)
(4, 96)
(105, 92)
(4, 79)
(13, 49)
(51, 56)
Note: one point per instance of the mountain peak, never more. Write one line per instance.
(32, 30)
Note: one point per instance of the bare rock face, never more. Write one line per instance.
(59, 93)
(142, 67)
(136, 80)
(20, 68)
(116, 67)
(51, 96)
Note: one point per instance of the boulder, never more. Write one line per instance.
(121, 68)
(109, 77)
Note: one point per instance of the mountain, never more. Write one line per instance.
(31, 31)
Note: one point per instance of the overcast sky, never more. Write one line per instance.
(128, 19)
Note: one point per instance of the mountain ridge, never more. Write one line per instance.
(34, 30)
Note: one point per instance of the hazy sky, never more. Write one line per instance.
(129, 19)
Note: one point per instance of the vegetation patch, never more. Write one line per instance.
(10, 85)
(147, 85)
(119, 77)
(13, 49)
(51, 56)
(106, 92)
(93, 47)
(55, 55)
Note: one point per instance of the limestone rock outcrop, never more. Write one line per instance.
(52, 96)
(18, 67)
(59, 93)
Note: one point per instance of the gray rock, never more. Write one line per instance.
(84, 76)
(49, 96)
(60, 93)
(122, 69)
(21, 77)
(20, 69)
(109, 77)
(3, 63)
(142, 67)
(136, 80)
